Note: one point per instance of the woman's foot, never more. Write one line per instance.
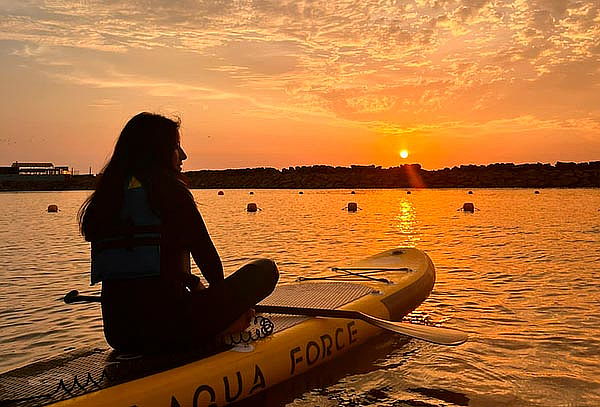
(240, 324)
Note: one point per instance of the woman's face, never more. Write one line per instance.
(178, 156)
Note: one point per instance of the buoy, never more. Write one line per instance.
(252, 207)
(408, 192)
(220, 193)
(352, 192)
(468, 207)
(470, 192)
(300, 193)
(52, 208)
(536, 192)
(352, 207)
(251, 193)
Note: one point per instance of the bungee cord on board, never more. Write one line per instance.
(263, 328)
(349, 274)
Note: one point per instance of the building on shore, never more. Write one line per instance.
(29, 168)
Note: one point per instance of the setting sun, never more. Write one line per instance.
(404, 153)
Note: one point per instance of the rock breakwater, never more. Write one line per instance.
(502, 175)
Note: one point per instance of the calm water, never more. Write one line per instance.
(521, 274)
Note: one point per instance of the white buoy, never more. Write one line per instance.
(220, 193)
(52, 208)
(252, 207)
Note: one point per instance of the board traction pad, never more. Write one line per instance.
(87, 370)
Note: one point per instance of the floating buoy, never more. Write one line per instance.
(52, 208)
(220, 193)
(408, 192)
(536, 192)
(351, 207)
(252, 207)
(300, 193)
(470, 192)
(251, 193)
(468, 207)
(352, 192)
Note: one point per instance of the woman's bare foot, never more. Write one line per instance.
(241, 323)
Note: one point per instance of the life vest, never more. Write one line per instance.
(133, 250)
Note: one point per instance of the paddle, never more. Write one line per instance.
(440, 336)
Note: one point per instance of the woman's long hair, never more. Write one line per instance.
(144, 150)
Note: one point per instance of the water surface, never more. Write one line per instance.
(521, 274)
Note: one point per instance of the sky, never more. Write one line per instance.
(261, 83)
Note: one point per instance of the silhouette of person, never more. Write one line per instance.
(143, 224)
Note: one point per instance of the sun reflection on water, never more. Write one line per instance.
(405, 223)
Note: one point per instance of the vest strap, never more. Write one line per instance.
(125, 243)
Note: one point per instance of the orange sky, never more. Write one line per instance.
(280, 83)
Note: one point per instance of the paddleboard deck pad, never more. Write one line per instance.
(388, 285)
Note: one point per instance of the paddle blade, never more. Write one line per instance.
(434, 334)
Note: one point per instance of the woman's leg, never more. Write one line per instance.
(217, 307)
(140, 315)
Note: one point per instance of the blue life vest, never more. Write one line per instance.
(134, 250)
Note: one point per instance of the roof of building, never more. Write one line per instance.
(40, 165)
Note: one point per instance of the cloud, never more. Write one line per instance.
(264, 57)
(407, 63)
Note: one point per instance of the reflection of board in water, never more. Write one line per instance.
(362, 359)
(372, 356)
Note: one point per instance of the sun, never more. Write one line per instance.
(404, 153)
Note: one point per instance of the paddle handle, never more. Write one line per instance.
(73, 297)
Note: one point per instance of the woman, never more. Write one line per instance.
(143, 224)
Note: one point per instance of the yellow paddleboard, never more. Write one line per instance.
(388, 285)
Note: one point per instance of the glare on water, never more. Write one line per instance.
(520, 273)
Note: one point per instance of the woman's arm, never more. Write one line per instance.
(191, 233)
(204, 252)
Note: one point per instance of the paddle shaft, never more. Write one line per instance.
(311, 312)
(441, 336)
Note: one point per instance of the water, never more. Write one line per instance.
(520, 274)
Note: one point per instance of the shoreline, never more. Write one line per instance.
(502, 175)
